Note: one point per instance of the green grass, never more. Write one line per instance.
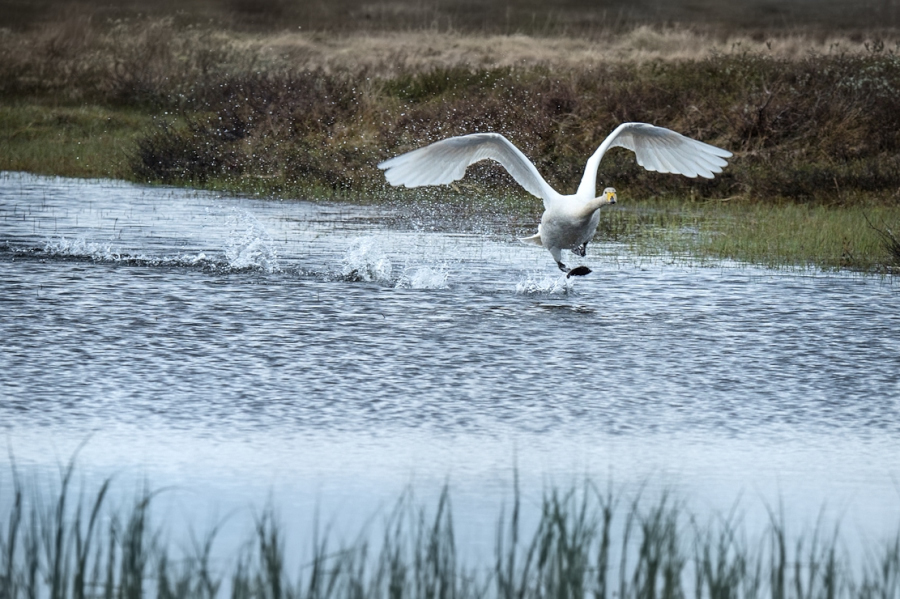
(584, 543)
(72, 141)
(781, 235)
(804, 235)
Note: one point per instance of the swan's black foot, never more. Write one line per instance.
(578, 271)
(580, 251)
(562, 267)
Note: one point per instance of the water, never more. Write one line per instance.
(328, 356)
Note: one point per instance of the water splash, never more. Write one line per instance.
(249, 245)
(366, 261)
(424, 277)
(536, 284)
(81, 247)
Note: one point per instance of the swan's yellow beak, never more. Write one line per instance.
(611, 197)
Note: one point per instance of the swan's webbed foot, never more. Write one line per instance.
(578, 271)
(581, 250)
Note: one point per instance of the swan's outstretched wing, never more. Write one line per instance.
(445, 161)
(657, 149)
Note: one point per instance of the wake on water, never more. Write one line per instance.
(542, 284)
(82, 248)
(248, 246)
(423, 277)
(366, 260)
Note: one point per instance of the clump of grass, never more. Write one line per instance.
(584, 543)
(889, 242)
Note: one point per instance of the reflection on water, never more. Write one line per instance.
(245, 346)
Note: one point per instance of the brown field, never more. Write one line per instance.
(385, 53)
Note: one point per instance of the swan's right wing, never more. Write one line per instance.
(665, 151)
(445, 161)
(657, 149)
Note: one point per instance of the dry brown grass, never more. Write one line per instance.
(579, 18)
(157, 44)
(405, 51)
(67, 57)
(385, 38)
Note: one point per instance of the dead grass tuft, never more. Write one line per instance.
(889, 242)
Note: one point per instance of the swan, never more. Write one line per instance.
(569, 221)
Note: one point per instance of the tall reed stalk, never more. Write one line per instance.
(584, 544)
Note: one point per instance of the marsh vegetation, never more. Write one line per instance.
(812, 117)
(573, 543)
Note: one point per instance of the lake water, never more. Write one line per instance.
(324, 357)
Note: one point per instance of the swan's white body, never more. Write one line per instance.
(569, 221)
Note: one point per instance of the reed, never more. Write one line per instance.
(584, 543)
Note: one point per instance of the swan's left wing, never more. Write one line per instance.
(445, 161)
(658, 149)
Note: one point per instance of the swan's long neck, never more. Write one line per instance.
(587, 189)
(593, 205)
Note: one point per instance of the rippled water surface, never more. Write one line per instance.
(332, 354)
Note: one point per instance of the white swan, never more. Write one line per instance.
(569, 221)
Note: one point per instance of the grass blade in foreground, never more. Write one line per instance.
(582, 544)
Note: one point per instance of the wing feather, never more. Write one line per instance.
(445, 161)
(657, 149)
(677, 163)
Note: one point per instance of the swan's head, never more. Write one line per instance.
(608, 196)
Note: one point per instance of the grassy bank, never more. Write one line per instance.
(815, 132)
(781, 235)
(70, 141)
(585, 542)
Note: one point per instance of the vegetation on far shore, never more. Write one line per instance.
(815, 179)
(585, 542)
